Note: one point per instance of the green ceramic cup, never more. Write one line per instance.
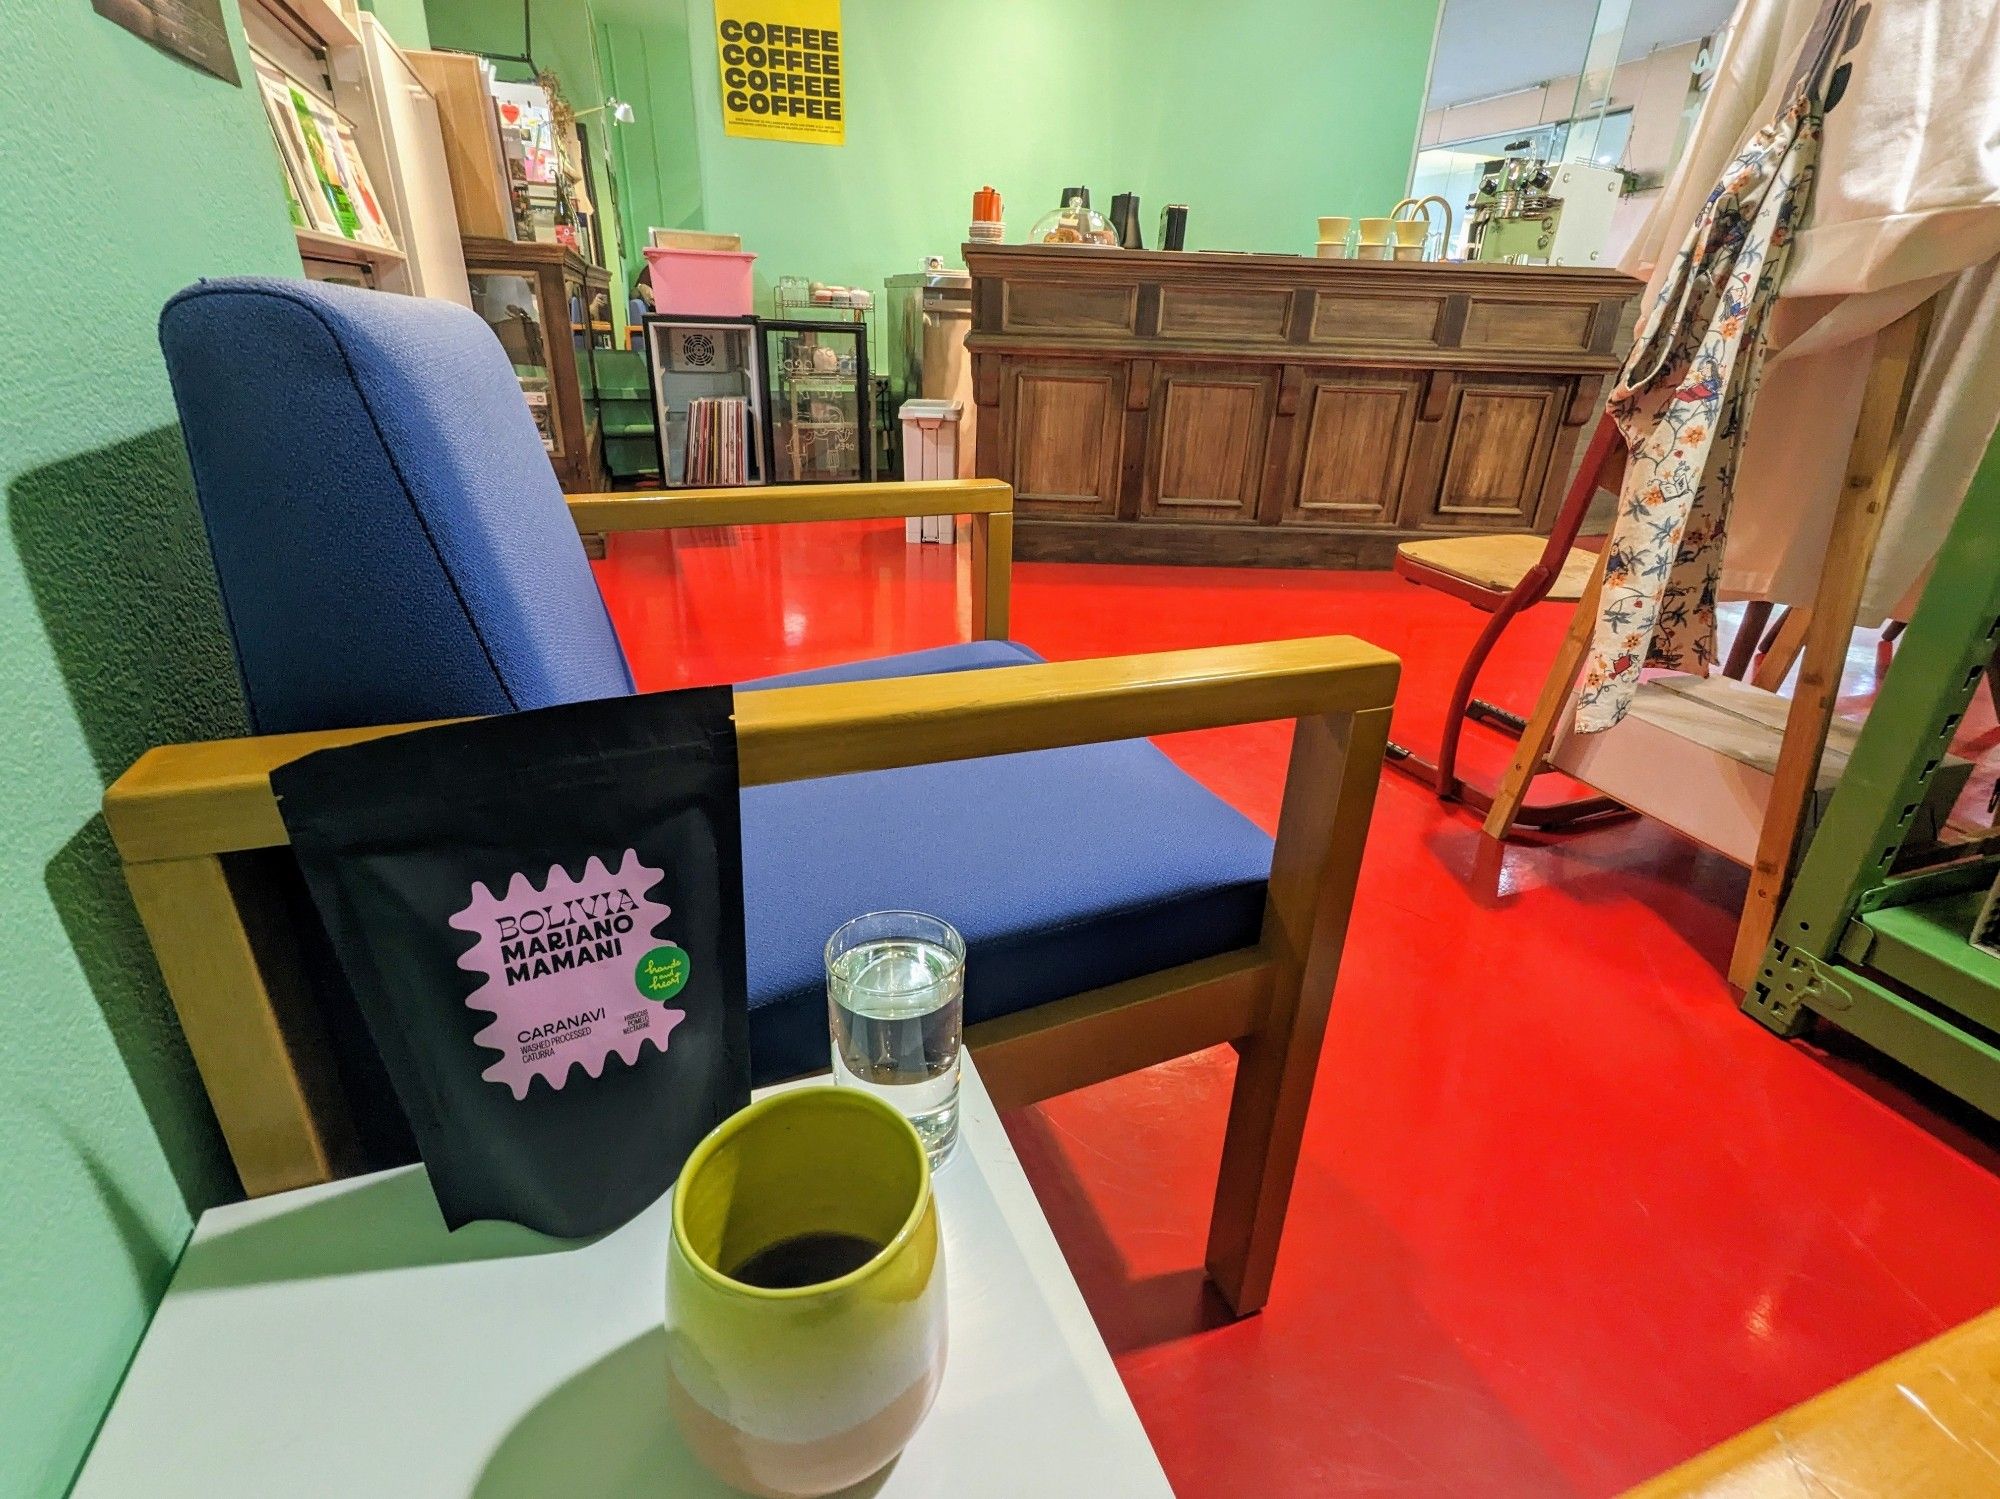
(805, 1389)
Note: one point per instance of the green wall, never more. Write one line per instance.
(407, 23)
(644, 47)
(113, 643)
(1258, 114)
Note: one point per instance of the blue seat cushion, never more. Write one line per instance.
(1064, 869)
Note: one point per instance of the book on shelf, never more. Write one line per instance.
(323, 164)
(374, 222)
(283, 119)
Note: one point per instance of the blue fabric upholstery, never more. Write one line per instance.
(1064, 869)
(392, 546)
(389, 536)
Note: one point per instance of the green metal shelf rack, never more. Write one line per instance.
(1886, 956)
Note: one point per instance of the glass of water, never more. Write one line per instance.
(895, 988)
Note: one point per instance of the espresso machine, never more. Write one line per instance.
(1530, 211)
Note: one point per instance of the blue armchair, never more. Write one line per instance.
(392, 548)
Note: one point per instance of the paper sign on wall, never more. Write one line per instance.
(782, 78)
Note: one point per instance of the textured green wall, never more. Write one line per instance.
(1258, 114)
(112, 643)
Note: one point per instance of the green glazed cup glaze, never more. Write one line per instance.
(799, 1392)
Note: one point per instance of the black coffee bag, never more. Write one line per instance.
(541, 916)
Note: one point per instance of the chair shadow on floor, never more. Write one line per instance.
(111, 545)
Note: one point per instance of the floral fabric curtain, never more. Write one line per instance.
(1683, 401)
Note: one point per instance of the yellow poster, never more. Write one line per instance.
(781, 70)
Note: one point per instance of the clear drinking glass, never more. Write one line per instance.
(895, 989)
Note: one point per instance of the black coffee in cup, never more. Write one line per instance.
(805, 1260)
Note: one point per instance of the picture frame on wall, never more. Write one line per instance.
(706, 379)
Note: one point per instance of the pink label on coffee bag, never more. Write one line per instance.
(573, 971)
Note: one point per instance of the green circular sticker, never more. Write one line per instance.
(662, 973)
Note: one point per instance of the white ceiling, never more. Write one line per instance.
(1488, 47)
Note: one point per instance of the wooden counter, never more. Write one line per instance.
(1272, 409)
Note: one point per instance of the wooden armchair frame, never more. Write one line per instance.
(196, 827)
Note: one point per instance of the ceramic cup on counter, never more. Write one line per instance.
(1333, 236)
(1408, 236)
(1377, 239)
(805, 1293)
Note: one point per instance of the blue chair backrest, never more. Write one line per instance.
(389, 538)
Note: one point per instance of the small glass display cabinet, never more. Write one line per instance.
(817, 380)
(550, 310)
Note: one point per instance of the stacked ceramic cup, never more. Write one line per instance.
(987, 225)
(1333, 236)
(1377, 241)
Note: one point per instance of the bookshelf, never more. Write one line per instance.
(358, 149)
(336, 23)
(316, 245)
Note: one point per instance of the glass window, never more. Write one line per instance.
(513, 310)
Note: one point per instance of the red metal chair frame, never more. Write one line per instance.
(1604, 456)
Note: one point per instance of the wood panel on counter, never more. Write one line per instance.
(1206, 407)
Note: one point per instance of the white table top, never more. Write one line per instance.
(337, 1341)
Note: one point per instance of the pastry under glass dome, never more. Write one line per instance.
(1074, 224)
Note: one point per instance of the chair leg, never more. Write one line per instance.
(1824, 630)
(1782, 646)
(1457, 706)
(235, 981)
(1511, 795)
(1329, 796)
(1743, 648)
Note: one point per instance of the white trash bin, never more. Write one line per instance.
(930, 451)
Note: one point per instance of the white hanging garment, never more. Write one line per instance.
(1907, 203)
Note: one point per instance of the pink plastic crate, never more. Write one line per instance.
(716, 282)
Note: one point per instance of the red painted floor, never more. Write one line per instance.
(1564, 1216)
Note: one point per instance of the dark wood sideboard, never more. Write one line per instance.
(1272, 409)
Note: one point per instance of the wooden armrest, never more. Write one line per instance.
(989, 502)
(664, 509)
(186, 800)
(1923, 1422)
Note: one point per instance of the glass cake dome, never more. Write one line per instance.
(1075, 223)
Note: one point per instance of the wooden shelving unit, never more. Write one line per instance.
(315, 245)
(334, 22)
(347, 64)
